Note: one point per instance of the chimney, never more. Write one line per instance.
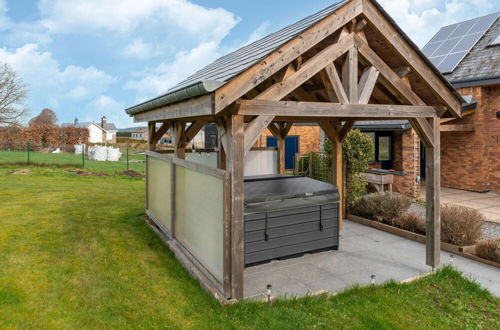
(104, 122)
(76, 121)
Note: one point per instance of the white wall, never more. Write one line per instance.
(95, 134)
(261, 162)
(257, 162)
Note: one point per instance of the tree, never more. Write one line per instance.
(13, 94)
(47, 117)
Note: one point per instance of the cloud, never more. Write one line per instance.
(125, 16)
(260, 32)
(154, 82)
(105, 105)
(139, 49)
(49, 84)
(421, 19)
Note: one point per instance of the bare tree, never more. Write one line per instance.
(46, 117)
(13, 94)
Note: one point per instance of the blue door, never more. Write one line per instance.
(291, 148)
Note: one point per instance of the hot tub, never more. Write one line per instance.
(289, 215)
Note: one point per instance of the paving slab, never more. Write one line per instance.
(364, 251)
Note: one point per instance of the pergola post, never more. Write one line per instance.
(281, 154)
(235, 154)
(280, 132)
(433, 196)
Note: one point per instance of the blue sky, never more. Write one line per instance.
(88, 58)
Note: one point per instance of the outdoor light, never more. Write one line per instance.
(451, 259)
(498, 114)
(373, 279)
(268, 292)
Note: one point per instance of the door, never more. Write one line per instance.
(291, 148)
(383, 149)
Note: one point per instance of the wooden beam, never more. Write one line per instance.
(458, 128)
(235, 166)
(290, 51)
(402, 71)
(414, 60)
(350, 75)
(330, 129)
(310, 68)
(254, 130)
(178, 138)
(433, 197)
(336, 84)
(161, 131)
(367, 84)
(360, 25)
(345, 129)
(151, 134)
(424, 131)
(202, 106)
(192, 130)
(270, 109)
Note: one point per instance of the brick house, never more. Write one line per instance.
(470, 146)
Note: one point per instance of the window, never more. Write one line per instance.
(495, 42)
(384, 148)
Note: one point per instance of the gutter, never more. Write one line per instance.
(197, 89)
(476, 82)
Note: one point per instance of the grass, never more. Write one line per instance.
(76, 255)
(20, 158)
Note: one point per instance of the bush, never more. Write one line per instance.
(357, 151)
(460, 225)
(411, 221)
(488, 248)
(385, 206)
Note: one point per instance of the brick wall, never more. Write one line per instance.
(470, 160)
(309, 138)
(406, 156)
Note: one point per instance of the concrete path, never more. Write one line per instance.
(486, 203)
(364, 251)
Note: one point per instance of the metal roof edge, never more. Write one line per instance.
(476, 82)
(197, 89)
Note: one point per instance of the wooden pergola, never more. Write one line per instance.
(354, 64)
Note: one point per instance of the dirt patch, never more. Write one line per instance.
(83, 173)
(132, 174)
(23, 171)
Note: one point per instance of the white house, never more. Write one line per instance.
(140, 133)
(103, 133)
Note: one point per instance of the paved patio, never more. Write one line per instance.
(486, 203)
(364, 251)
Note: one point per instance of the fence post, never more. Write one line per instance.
(127, 158)
(83, 155)
(28, 150)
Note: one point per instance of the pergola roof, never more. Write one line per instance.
(224, 69)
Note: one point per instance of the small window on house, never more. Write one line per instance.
(384, 148)
(495, 42)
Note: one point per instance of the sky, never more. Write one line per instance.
(89, 58)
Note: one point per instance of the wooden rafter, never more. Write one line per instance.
(414, 60)
(284, 55)
(350, 75)
(367, 84)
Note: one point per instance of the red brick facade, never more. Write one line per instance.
(406, 158)
(309, 138)
(471, 160)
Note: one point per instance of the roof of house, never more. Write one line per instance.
(110, 126)
(482, 63)
(222, 70)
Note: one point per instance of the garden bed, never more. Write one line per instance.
(464, 251)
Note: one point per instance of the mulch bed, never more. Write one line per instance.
(132, 174)
(83, 173)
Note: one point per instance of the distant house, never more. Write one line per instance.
(103, 133)
(141, 133)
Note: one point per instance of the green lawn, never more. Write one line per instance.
(74, 255)
(136, 162)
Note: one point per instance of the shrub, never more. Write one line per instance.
(488, 248)
(383, 206)
(460, 225)
(357, 151)
(411, 221)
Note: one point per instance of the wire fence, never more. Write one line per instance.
(89, 157)
(315, 165)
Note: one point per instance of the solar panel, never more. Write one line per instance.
(453, 42)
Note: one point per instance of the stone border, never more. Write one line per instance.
(463, 251)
